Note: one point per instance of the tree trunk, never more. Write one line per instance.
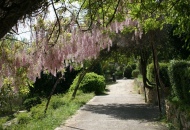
(143, 62)
(81, 76)
(143, 71)
(156, 71)
(52, 91)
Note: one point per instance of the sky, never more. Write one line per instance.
(24, 31)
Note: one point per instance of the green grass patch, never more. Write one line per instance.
(61, 107)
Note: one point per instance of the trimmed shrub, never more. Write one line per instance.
(91, 82)
(119, 74)
(135, 73)
(128, 71)
(179, 72)
(30, 102)
(150, 72)
(164, 74)
(163, 71)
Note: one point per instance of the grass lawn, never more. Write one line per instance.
(61, 107)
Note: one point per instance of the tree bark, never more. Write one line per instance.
(143, 71)
(156, 71)
(143, 62)
(81, 76)
(52, 91)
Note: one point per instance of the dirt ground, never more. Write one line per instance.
(121, 109)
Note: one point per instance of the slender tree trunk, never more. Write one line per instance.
(52, 91)
(81, 76)
(145, 94)
(143, 70)
(144, 61)
(156, 71)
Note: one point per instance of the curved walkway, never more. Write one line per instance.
(121, 109)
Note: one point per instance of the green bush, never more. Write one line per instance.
(7, 96)
(23, 118)
(128, 71)
(164, 74)
(179, 72)
(30, 102)
(135, 73)
(150, 72)
(91, 82)
(163, 71)
(119, 74)
(3, 120)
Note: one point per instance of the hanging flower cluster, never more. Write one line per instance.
(43, 54)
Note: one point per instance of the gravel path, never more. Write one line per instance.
(121, 109)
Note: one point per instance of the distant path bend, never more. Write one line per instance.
(121, 109)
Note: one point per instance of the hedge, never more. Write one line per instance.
(135, 73)
(163, 71)
(119, 74)
(150, 72)
(179, 72)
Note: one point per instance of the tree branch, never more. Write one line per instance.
(58, 21)
(113, 13)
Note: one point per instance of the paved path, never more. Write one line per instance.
(121, 109)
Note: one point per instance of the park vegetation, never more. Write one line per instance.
(83, 47)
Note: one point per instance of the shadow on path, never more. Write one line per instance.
(125, 111)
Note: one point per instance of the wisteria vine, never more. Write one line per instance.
(74, 45)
